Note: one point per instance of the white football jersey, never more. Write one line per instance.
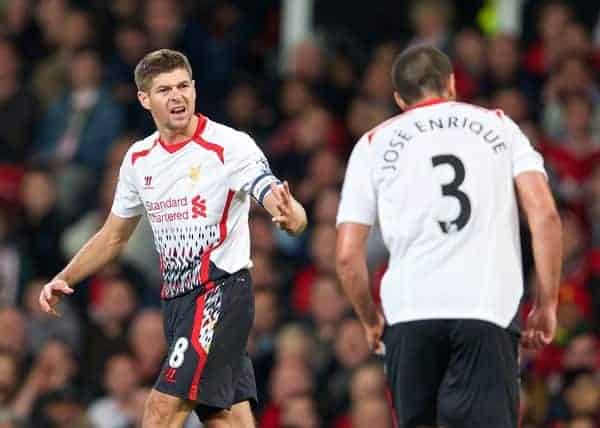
(439, 178)
(196, 195)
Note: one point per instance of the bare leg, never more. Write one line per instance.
(165, 411)
(222, 419)
(242, 415)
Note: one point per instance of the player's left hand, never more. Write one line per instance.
(288, 219)
(541, 327)
(374, 333)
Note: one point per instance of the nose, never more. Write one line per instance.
(175, 94)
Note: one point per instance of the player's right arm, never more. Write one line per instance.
(100, 249)
(106, 244)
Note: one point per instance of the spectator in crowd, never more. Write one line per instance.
(14, 267)
(68, 113)
(53, 369)
(72, 33)
(18, 108)
(107, 332)
(13, 338)
(80, 125)
(42, 222)
(146, 328)
(41, 328)
(117, 409)
(9, 378)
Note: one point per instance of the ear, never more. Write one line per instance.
(451, 87)
(144, 99)
(401, 103)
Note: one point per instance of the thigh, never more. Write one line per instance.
(481, 387)
(415, 362)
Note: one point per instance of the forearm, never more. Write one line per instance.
(354, 276)
(96, 253)
(547, 252)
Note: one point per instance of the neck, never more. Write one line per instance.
(429, 99)
(173, 136)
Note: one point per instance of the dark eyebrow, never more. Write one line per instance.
(183, 82)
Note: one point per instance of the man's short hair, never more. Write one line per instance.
(420, 70)
(157, 62)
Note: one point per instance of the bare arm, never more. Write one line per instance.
(351, 266)
(544, 222)
(286, 211)
(100, 249)
(538, 204)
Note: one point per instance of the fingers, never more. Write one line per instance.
(48, 300)
(283, 193)
(44, 301)
(379, 348)
(275, 192)
(535, 339)
(64, 287)
(286, 188)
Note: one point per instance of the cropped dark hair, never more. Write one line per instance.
(420, 70)
(157, 62)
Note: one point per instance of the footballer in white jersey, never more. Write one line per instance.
(444, 180)
(194, 179)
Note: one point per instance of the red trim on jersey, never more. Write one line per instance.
(172, 148)
(212, 147)
(205, 260)
(428, 102)
(195, 341)
(136, 155)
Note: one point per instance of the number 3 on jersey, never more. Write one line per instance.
(452, 189)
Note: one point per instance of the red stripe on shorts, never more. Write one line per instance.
(195, 341)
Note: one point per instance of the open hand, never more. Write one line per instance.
(51, 295)
(287, 219)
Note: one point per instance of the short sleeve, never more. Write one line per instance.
(358, 203)
(249, 170)
(524, 156)
(127, 202)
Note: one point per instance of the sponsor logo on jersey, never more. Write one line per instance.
(198, 207)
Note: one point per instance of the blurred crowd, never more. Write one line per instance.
(68, 113)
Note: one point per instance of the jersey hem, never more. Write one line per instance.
(450, 315)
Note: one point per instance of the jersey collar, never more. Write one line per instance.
(428, 102)
(172, 148)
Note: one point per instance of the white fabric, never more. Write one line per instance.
(197, 200)
(470, 270)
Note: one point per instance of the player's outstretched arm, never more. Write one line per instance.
(286, 211)
(100, 249)
(543, 219)
(351, 266)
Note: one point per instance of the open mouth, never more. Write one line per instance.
(177, 110)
